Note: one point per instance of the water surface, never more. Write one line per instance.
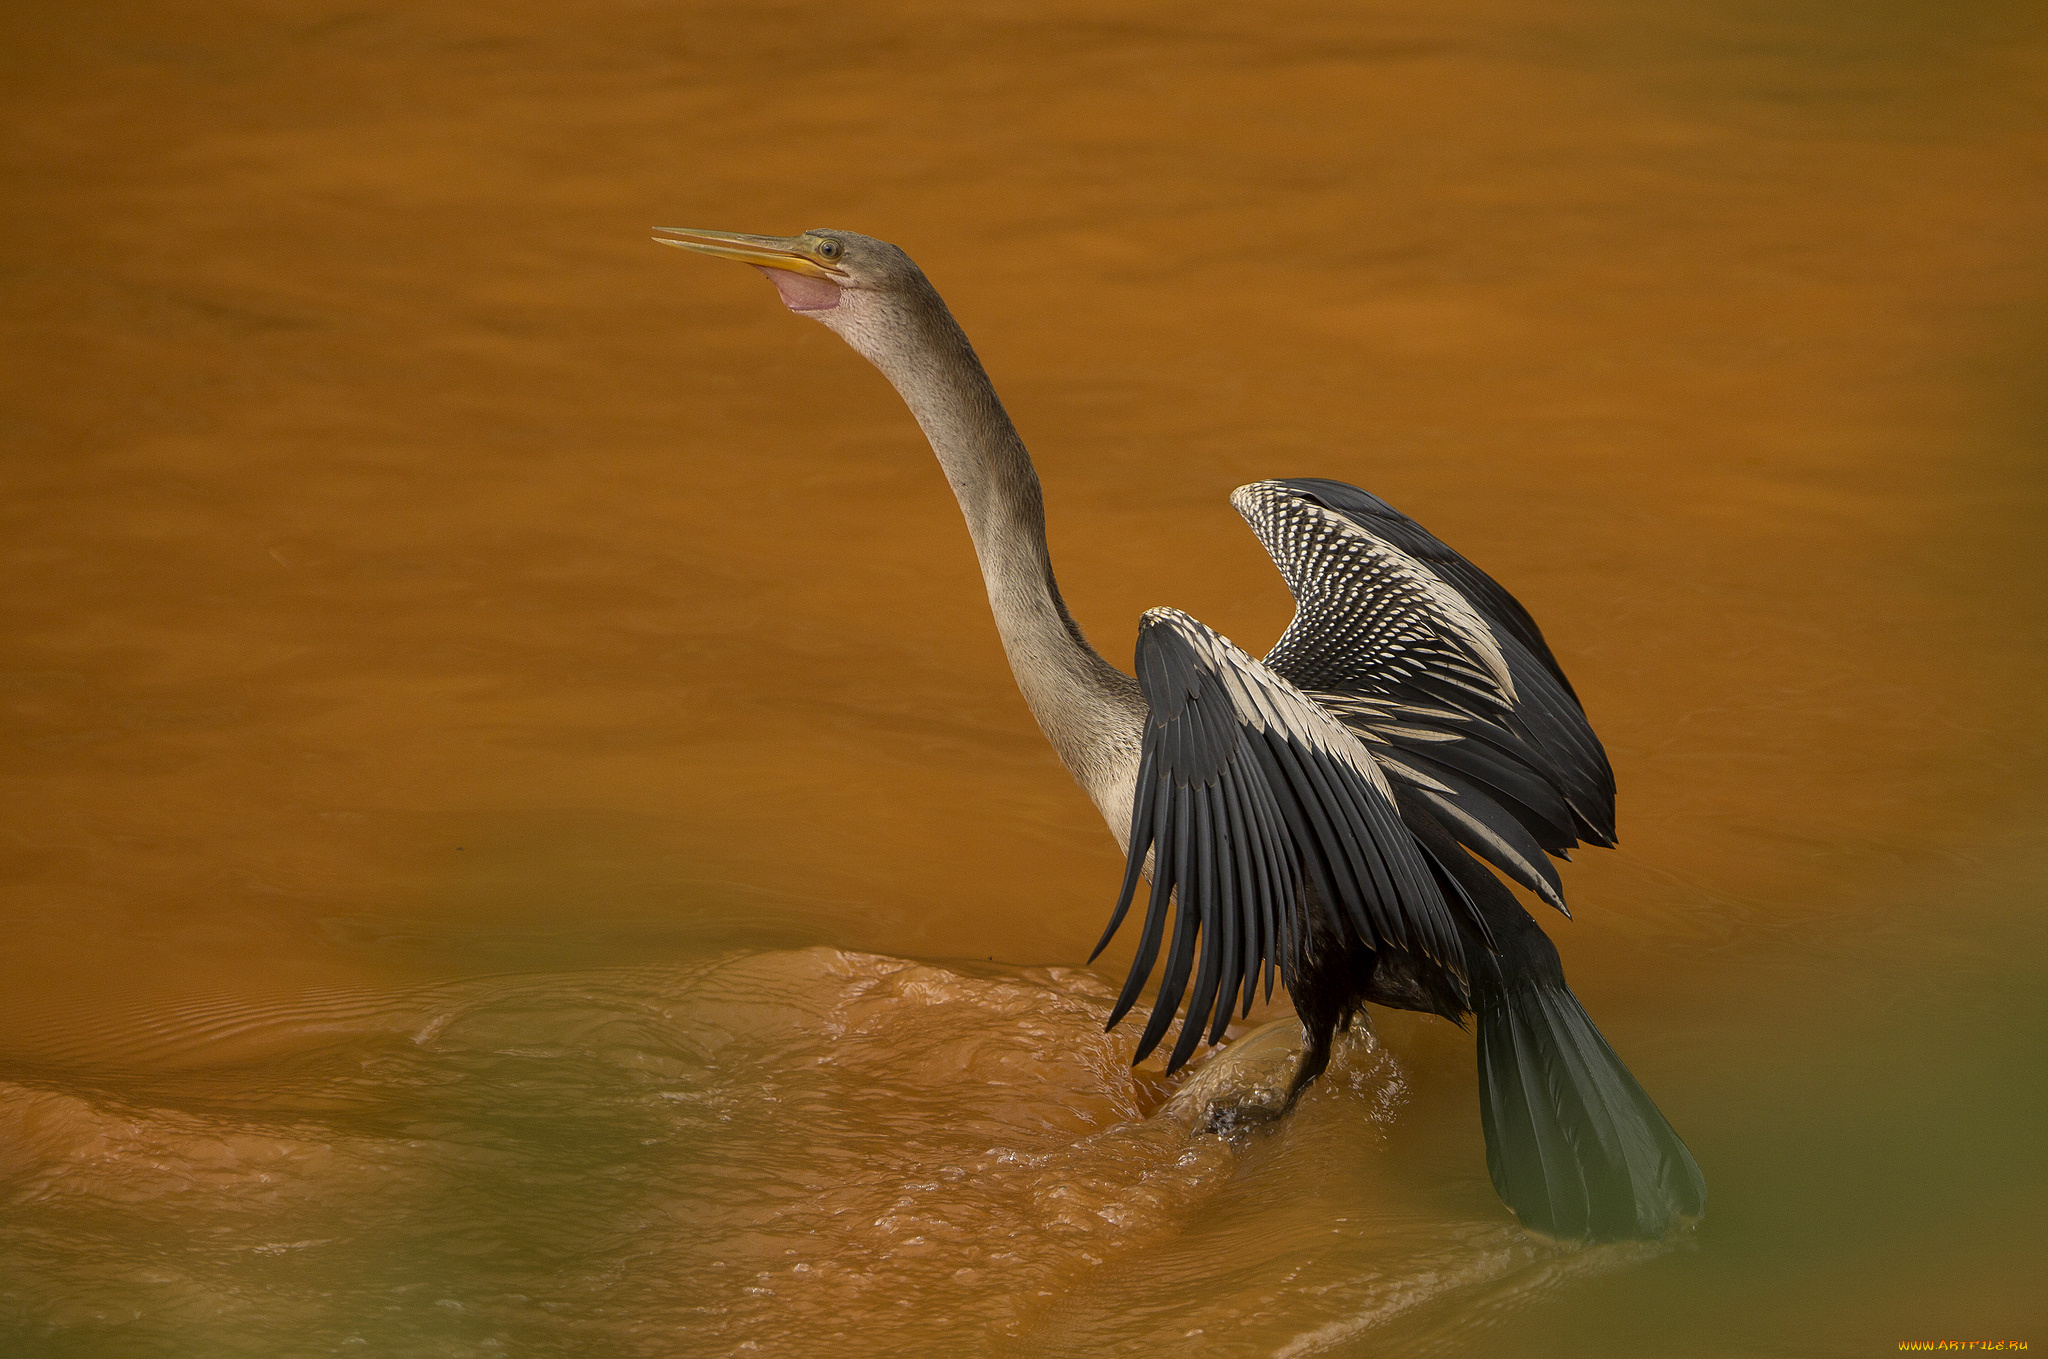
(519, 835)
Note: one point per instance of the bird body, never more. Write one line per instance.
(1315, 813)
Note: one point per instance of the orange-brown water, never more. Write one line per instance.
(519, 837)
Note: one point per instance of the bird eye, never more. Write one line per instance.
(830, 249)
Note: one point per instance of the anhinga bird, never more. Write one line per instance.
(1305, 812)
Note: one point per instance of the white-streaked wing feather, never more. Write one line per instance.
(1364, 606)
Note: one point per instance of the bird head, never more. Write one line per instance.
(858, 286)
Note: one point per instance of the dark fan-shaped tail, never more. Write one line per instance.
(1575, 1146)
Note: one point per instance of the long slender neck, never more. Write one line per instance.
(1082, 703)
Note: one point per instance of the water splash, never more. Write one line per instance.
(811, 1151)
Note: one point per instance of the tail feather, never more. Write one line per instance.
(1573, 1143)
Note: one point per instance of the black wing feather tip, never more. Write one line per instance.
(1148, 940)
(1209, 910)
(1479, 824)
(1140, 842)
(1243, 970)
(1180, 954)
(1227, 920)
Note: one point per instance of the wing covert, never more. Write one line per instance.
(1377, 517)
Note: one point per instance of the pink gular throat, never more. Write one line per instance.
(802, 292)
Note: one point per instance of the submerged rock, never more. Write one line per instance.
(1242, 1085)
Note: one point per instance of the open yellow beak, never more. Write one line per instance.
(797, 254)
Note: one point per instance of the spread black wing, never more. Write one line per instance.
(1438, 667)
(1246, 788)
